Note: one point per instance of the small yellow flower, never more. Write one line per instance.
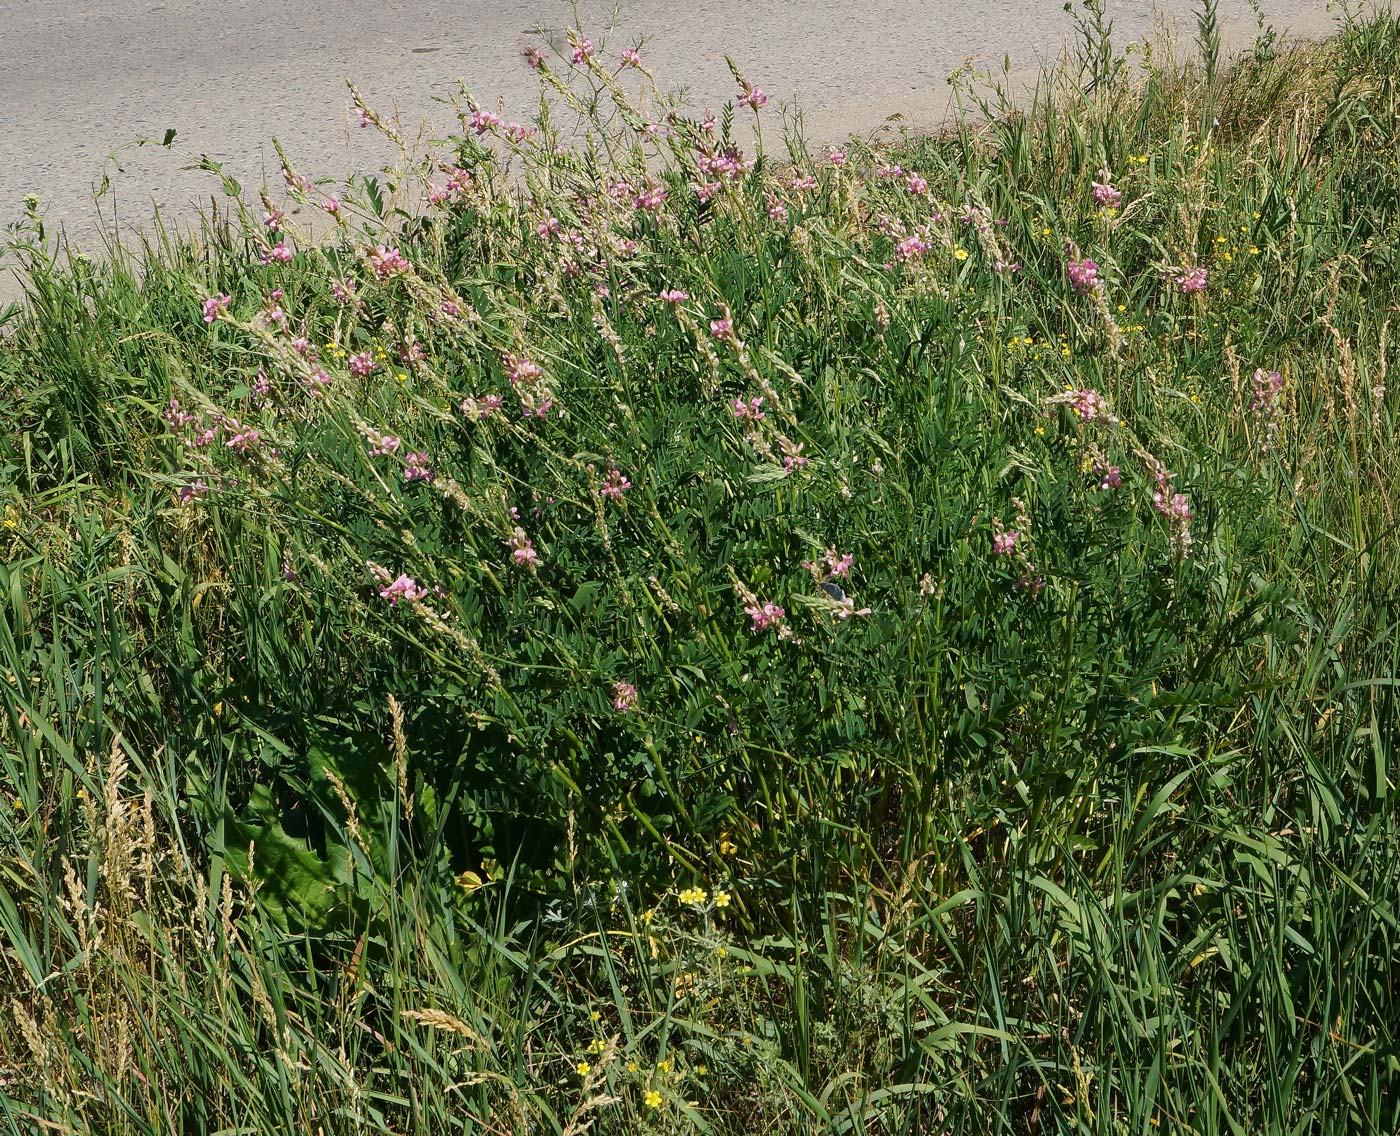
(721, 952)
(594, 1016)
(631, 1066)
(1040, 429)
(19, 805)
(583, 1068)
(1045, 232)
(721, 898)
(693, 895)
(1122, 307)
(1253, 250)
(664, 1065)
(961, 254)
(403, 378)
(652, 1099)
(727, 847)
(596, 1046)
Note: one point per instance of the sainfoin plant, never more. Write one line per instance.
(625, 633)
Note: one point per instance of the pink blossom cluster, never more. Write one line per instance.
(916, 185)
(651, 199)
(1188, 281)
(750, 411)
(1105, 194)
(280, 253)
(361, 364)
(216, 306)
(1083, 275)
(240, 439)
(793, 458)
(764, 615)
(616, 485)
(520, 369)
(382, 444)
(1174, 506)
(674, 295)
(193, 491)
(522, 551)
(722, 328)
(482, 121)
(631, 57)
(402, 588)
(387, 261)
(178, 418)
(753, 97)
(417, 467)
(479, 407)
(624, 697)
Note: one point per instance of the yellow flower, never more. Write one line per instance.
(727, 847)
(721, 898)
(693, 895)
(596, 1046)
(583, 1068)
(594, 1016)
(721, 952)
(1253, 250)
(401, 377)
(1045, 232)
(961, 254)
(664, 1065)
(652, 1099)
(631, 1066)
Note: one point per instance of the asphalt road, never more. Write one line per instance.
(79, 79)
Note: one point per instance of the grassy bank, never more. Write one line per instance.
(677, 635)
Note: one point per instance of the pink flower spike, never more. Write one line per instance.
(624, 697)
(417, 467)
(216, 306)
(279, 253)
(674, 296)
(534, 57)
(1105, 195)
(582, 50)
(404, 588)
(1004, 543)
(616, 485)
(631, 57)
(763, 615)
(522, 551)
(1083, 275)
(361, 364)
(722, 328)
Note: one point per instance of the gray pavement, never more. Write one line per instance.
(78, 78)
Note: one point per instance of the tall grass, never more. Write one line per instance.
(629, 633)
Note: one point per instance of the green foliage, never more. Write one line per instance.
(401, 731)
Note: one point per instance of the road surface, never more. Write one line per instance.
(78, 79)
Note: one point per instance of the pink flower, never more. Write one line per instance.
(278, 254)
(1189, 281)
(1083, 275)
(404, 588)
(624, 697)
(1105, 194)
(909, 248)
(777, 211)
(272, 220)
(331, 205)
(836, 156)
(763, 615)
(450, 308)
(889, 170)
(517, 133)
(241, 438)
(216, 306)
(674, 295)
(1110, 476)
(751, 410)
(803, 183)
(206, 436)
(364, 116)
(722, 328)
(188, 493)
(1089, 404)
(361, 364)
(417, 467)
(482, 121)
(519, 369)
(708, 123)
(318, 381)
(839, 565)
(522, 551)
(582, 50)
(383, 444)
(177, 417)
(753, 97)
(631, 57)
(792, 454)
(616, 485)
(917, 185)
(478, 408)
(1004, 543)
(1268, 385)
(534, 57)
(387, 261)
(651, 199)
